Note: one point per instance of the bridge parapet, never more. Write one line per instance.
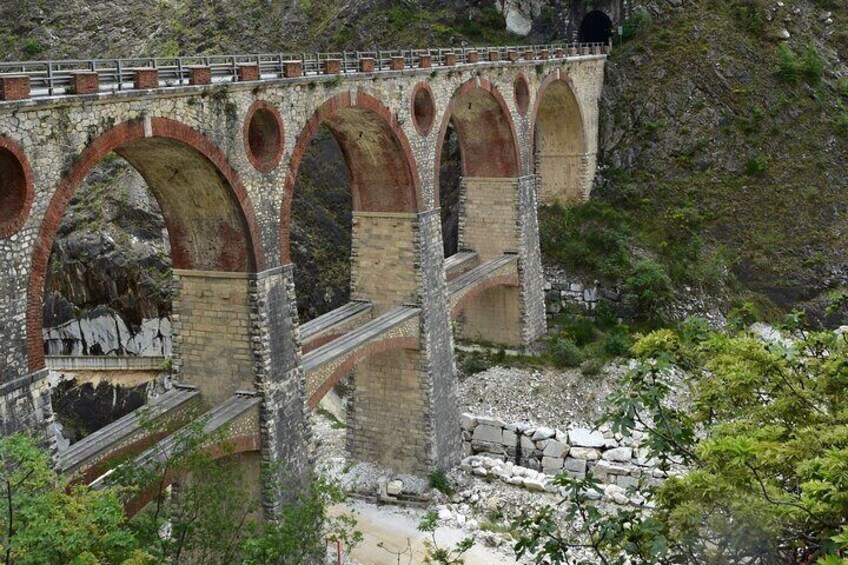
(39, 79)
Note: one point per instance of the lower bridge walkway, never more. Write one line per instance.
(332, 345)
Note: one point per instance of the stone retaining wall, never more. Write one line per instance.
(609, 458)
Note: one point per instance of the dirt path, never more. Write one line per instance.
(397, 529)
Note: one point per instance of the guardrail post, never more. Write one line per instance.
(494, 56)
(449, 59)
(472, 57)
(529, 55)
(145, 78)
(332, 66)
(544, 54)
(425, 61)
(247, 72)
(292, 69)
(199, 74)
(84, 82)
(14, 87)
(512, 56)
(585, 50)
(367, 64)
(397, 63)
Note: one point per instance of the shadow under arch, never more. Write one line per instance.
(560, 143)
(377, 153)
(209, 216)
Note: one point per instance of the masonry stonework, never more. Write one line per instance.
(240, 330)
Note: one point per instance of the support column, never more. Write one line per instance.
(212, 342)
(530, 273)
(284, 418)
(405, 412)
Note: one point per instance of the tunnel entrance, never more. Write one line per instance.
(596, 28)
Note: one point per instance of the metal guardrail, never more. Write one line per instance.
(50, 78)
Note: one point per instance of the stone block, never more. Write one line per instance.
(491, 421)
(14, 87)
(574, 465)
(394, 488)
(145, 78)
(332, 66)
(552, 465)
(199, 74)
(247, 72)
(490, 434)
(543, 433)
(84, 82)
(605, 471)
(586, 453)
(620, 454)
(292, 69)
(467, 421)
(510, 438)
(627, 481)
(582, 437)
(555, 449)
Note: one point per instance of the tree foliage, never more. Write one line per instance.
(761, 425)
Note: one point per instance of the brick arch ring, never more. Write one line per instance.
(328, 109)
(382, 346)
(112, 139)
(245, 443)
(13, 223)
(474, 293)
(465, 88)
(540, 92)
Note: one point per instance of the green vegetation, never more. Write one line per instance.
(765, 436)
(440, 481)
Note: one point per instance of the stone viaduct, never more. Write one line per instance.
(219, 142)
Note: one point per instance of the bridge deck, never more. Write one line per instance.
(460, 263)
(480, 273)
(323, 328)
(105, 440)
(214, 420)
(104, 363)
(363, 334)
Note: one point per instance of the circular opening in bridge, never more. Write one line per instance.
(596, 28)
(522, 95)
(264, 136)
(15, 188)
(423, 109)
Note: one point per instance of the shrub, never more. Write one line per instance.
(474, 363)
(812, 64)
(788, 67)
(616, 344)
(580, 329)
(565, 354)
(592, 367)
(650, 284)
(439, 481)
(756, 167)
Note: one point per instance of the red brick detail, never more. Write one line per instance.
(512, 55)
(367, 64)
(449, 59)
(14, 87)
(16, 187)
(264, 137)
(503, 155)
(529, 56)
(146, 78)
(564, 78)
(472, 56)
(471, 295)
(423, 108)
(358, 355)
(544, 54)
(84, 82)
(397, 63)
(425, 61)
(226, 448)
(199, 74)
(412, 202)
(113, 139)
(332, 66)
(494, 56)
(318, 342)
(247, 72)
(292, 69)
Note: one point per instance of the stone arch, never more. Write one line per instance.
(382, 346)
(377, 153)
(16, 187)
(596, 27)
(209, 216)
(245, 443)
(560, 141)
(474, 293)
(486, 130)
